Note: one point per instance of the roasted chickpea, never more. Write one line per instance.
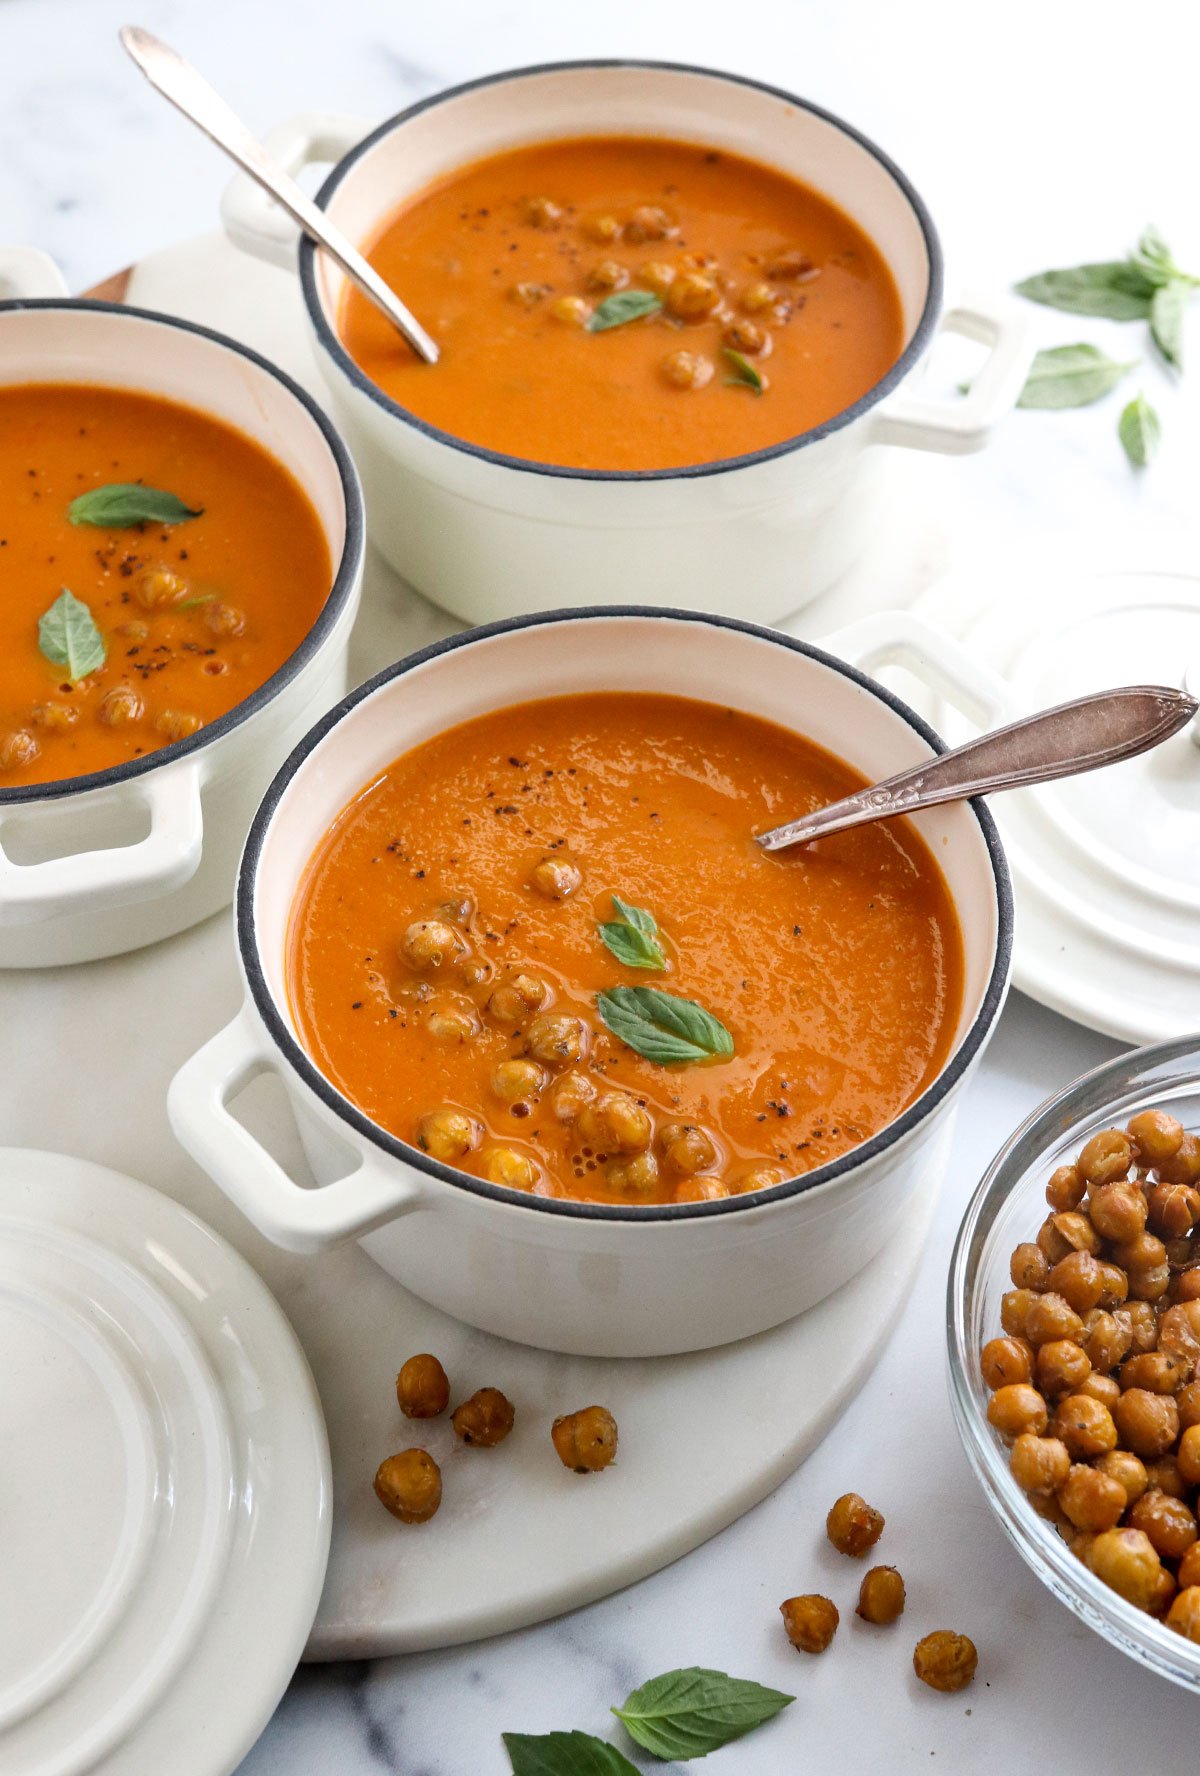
(1179, 1335)
(134, 630)
(448, 1134)
(558, 1041)
(1049, 1318)
(452, 1020)
(422, 1388)
(517, 999)
(1143, 1324)
(515, 1082)
(1118, 1212)
(1166, 1521)
(607, 275)
(649, 222)
(1051, 1241)
(702, 1188)
(634, 1174)
(692, 296)
(1188, 1455)
(429, 944)
(1077, 1278)
(1164, 1476)
(1094, 1501)
(1066, 1189)
(1183, 1167)
(485, 1419)
(472, 971)
(1148, 1423)
(759, 1177)
(1106, 1157)
(1155, 1135)
(881, 1596)
(157, 587)
(1014, 1311)
(542, 212)
(687, 369)
(557, 876)
(1173, 1209)
(17, 749)
(409, 1485)
(504, 1165)
(1005, 1361)
(1085, 1426)
(177, 724)
(1150, 1284)
(1184, 1613)
(585, 1441)
(1144, 1252)
(757, 298)
(810, 1622)
(120, 707)
(1158, 1371)
(747, 337)
(602, 229)
(1039, 1464)
(1115, 1286)
(1074, 1227)
(853, 1525)
(1125, 1560)
(1187, 1403)
(1189, 1568)
(224, 619)
(1028, 1267)
(657, 276)
(1104, 1388)
(945, 1661)
(616, 1123)
(1106, 1340)
(54, 717)
(571, 311)
(1122, 1465)
(570, 1095)
(686, 1149)
(1060, 1367)
(529, 294)
(1186, 1286)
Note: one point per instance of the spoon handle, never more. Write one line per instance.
(1080, 736)
(190, 93)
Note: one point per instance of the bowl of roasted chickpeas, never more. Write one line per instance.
(1074, 1333)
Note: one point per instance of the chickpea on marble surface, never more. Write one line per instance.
(585, 1441)
(810, 1622)
(422, 1387)
(485, 1419)
(853, 1525)
(945, 1661)
(409, 1485)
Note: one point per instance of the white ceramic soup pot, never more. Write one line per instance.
(593, 1279)
(94, 865)
(488, 535)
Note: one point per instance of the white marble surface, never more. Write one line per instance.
(1040, 133)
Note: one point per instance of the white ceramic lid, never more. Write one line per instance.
(1106, 866)
(165, 1492)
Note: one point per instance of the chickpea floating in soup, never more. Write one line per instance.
(158, 566)
(620, 302)
(544, 949)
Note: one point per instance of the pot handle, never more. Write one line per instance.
(121, 875)
(960, 425)
(27, 273)
(253, 221)
(901, 638)
(298, 1219)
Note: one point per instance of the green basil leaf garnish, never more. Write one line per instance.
(662, 1027)
(745, 374)
(68, 636)
(1139, 431)
(633, 936)
(622, 306)
(1113, 289)
(1071, 376)
(1167, 313)
(124, 503)
(687, 1714)
(565, 1754)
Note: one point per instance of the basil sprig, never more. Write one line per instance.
(745, 374)
(1071, 376)
(686, 1714)
(1139, 431)
(68, 636)
(623, 306)
(1113, 289)
(565, 1754)
(662, 1027)
(633, 936)
(122, 504)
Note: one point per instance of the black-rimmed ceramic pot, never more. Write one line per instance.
(492, 536)
(593, 1279)
(92, 866)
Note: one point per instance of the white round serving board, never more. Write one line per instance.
(165, 1486)
(517, 1538)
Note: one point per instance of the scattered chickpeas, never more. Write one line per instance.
(607, 275)
(792, 266)
(747, 337)
(604, 230)
(485, 1419)
(853, 1525)
(572, 311)
(635, 1175)
(881, 1596)
(757, 298)
(17, 749)
(542, 212)
(157, 587)
(409, 1485)
(703, 1188)
(429, 944)
(120, 707)
(687, 369)
(649, 223)
(616, 1123)
(692, 295)
(515, 1082)
(504, 1165)
(224, 619)
(177, 724)
(558, 1041)
(517, 998)
(556, 876)
(452, 1020)
(945, 1661)
(570, 1095)
(686, 1149)
(585, 1441)
(657, 275)
(810, 1622)
(53, 716)
(422, 1388)
(448, 1134)
(759, 1177)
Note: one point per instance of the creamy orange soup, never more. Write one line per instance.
(762, 309)
(449, 972)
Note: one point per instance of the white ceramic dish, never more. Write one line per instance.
(166, 1483)
(581, 1277)
(91, 866)
(489, 535)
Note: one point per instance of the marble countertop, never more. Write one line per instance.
(1039, 135)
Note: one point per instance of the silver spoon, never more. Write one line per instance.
(190, 93)
(1080, 736)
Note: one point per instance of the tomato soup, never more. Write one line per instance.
(628, 303)
(544, 948)
(157, 566)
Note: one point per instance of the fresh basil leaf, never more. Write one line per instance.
(687, 1714)
(622, 306)
(1139, 431)
(633, 936)
(1071, 376)
(1153, 258)
(565, 1754)
(1167, 314)
(745, 374)
(124, 503)
(1112, 289)
(662, 1027)
(68, 636)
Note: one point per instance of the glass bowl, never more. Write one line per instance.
(1008, 1207)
